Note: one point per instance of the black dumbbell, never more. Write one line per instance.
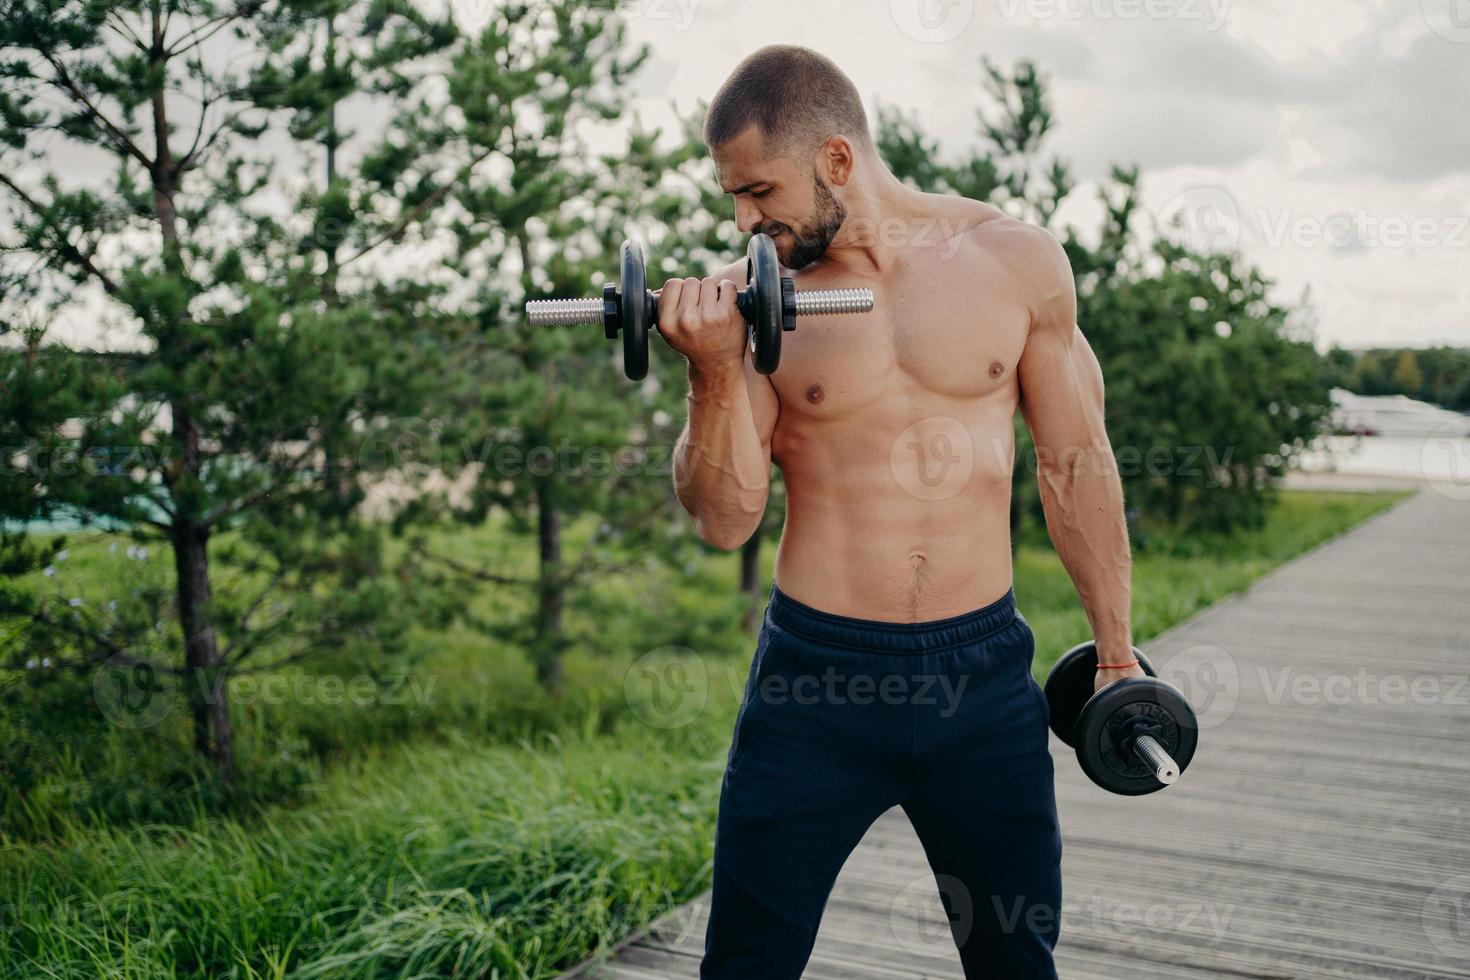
(770, 305)
(1135, 736)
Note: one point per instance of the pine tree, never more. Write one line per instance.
(559, 440)
(270, 344)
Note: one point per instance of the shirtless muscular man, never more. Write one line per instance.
(892, 666)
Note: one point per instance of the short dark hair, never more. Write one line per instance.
(797, 97)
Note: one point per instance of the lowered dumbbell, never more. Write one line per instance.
(770, 305)
(1135, 736)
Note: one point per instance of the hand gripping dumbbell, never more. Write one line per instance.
(770, 305)
(1135, 736)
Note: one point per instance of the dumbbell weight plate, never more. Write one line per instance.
(637, 310)
(763, 272)
(1069, 686)
(1100, 747)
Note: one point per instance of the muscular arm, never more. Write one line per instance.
(722, 461)
(1062, 403)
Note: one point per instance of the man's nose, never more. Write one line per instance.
(748, 217)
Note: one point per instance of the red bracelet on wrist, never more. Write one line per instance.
(1130, 663)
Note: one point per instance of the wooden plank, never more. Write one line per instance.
(1306, 841)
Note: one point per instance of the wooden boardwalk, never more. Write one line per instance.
(1323, 829)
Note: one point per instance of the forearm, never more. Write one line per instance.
(1083, 500)
(722, 473)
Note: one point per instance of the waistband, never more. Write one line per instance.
(884, 637)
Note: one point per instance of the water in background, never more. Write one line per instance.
(1394, 436)
(1402, 456)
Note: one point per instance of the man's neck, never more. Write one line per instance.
(883, 215)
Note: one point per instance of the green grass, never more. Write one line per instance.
(452, 842)
(69, 768)
(468, 861)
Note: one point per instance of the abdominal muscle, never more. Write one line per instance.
(897, 523)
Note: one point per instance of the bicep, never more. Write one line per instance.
(764, 405)
(1061, 388)
(1061, 382)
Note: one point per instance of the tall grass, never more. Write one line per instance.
(64, 765)
(445, 841)
(506, 861)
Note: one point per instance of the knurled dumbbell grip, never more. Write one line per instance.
(816, 302)
(1147, 748)
(564, 312)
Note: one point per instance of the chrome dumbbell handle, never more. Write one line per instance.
(589, 311)
(564, 312)
(816, 302)
(1166, 770)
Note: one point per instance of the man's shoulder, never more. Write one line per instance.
(1032, 259)
(991, 236)
(1014, 241)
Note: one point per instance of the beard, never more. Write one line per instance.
(816, 232)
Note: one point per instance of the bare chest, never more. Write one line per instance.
(937, 328)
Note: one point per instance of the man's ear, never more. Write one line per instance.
(836, 160)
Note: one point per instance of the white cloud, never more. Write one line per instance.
(1300, 110)
(1310, 114)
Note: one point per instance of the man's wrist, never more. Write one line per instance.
(1117, 656)
(715, 377)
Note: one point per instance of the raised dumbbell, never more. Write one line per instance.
(1135, 736)
(770, 305)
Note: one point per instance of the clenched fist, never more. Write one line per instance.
(698, 318)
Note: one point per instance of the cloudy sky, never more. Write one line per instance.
(1329, 138)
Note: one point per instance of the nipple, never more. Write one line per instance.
(815, 394)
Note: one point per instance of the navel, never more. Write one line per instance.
(997, 369)
(815, 394)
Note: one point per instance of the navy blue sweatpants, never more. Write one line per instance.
(843, 719)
